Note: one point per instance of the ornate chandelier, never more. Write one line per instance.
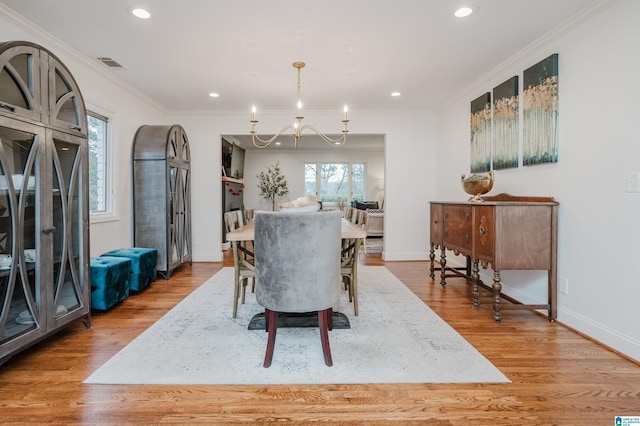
(297, 126)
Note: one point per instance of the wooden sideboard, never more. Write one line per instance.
(504, 231)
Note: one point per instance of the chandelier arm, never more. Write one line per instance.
(342, 139)
(266, 142)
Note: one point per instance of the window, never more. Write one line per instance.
(335, 182)
(100, 191)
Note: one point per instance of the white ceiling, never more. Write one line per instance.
(356, 51)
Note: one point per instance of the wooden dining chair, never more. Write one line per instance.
(298, 269)
(243, 260)
(248, 215)
(349, 269)
(347, 212)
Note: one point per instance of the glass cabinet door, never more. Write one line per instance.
(65, 101)
(67, 226)
(185, 222)
(184, 152)
(185, 194)
(20, 81)
(22, 307)
(174, 214)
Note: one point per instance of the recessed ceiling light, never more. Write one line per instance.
(463, 11)
(141, 13)
(395, 94)
(214, 94)
(278, 143)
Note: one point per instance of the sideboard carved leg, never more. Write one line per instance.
(475, 279)
(497, 305)
(443, 267)
(432, 258)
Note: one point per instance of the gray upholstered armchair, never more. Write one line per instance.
(297, 265)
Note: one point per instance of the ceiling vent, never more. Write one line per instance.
(110, 63)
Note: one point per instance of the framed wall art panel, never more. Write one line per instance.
(505, 124)
(481, 134)
(540, 112)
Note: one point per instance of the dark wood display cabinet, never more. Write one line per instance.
(504, 231)
(44, 206)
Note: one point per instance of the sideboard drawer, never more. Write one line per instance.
(457, 227)
(484, 232)
(436, 224)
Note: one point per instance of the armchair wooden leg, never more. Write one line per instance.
(272, 319)
(323, 324)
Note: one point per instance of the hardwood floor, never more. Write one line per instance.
(558, 377)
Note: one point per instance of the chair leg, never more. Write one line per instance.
(236, 295)
(323, 323)
(245, 281)
(354, 291)
(272, 319)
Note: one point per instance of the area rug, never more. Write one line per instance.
(396, 338)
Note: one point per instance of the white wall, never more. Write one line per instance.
(599, 231)
(104, 94)
(410, 172)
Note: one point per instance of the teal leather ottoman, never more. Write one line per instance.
(109, 281)
(143, 265)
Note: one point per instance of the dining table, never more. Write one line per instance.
(352, 236)
(348, 230)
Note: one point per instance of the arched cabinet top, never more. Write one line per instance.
(37, 86)
(157, 142)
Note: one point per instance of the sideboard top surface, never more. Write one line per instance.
(504, 199)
